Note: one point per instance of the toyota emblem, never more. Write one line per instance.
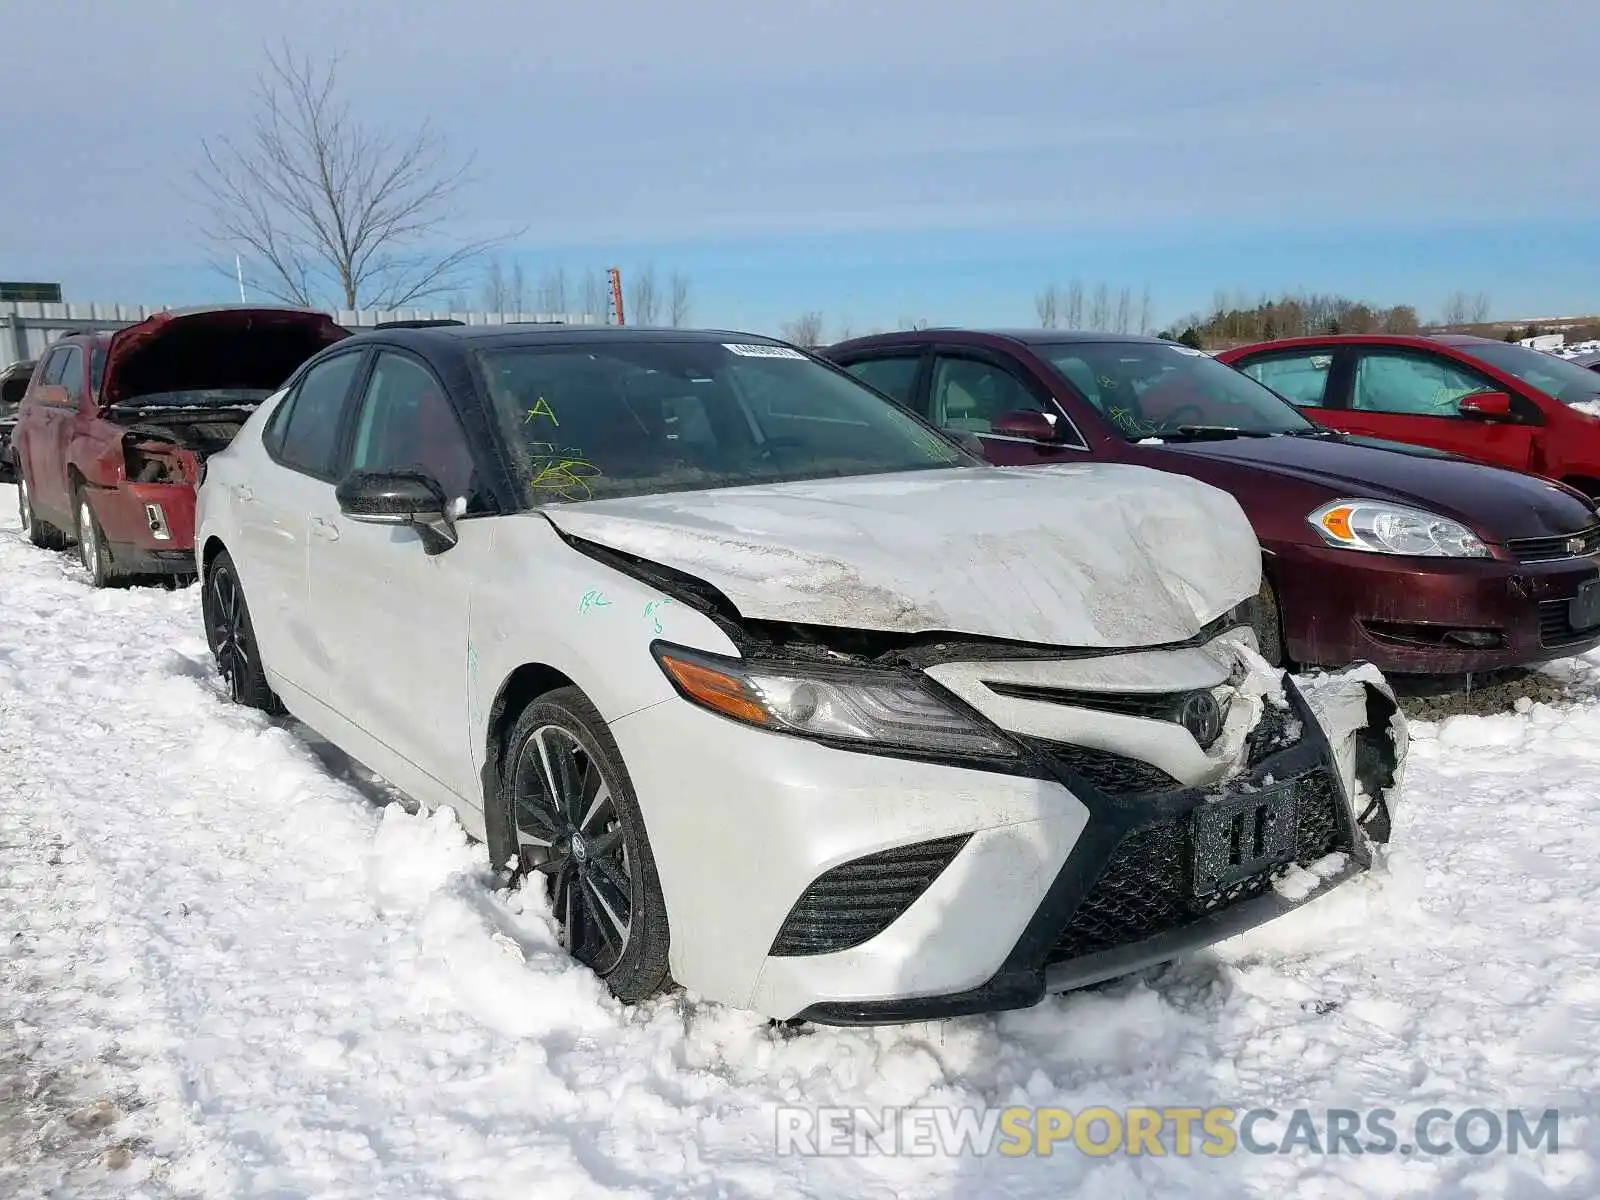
(1202, 717)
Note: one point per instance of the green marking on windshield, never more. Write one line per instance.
(592, 600)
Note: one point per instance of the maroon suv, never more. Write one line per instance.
(1412, 559)
(113, 429)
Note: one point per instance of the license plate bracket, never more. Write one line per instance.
(1238, 836)
(1583, 610)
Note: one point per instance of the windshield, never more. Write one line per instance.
(1159, 390)
(1567, 382)
(634, 418)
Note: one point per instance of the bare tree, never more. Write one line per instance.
(804, 330)
(503, 291)
(596, 301)
(912, 323)
(678, 303)
(1073, 315)
(321, 205)
(1122, 322)
(1146, 316)
(1100, 308)
(552, 294)
(1047, 304)
(644, 300)
(847, 329)
(1478, 312)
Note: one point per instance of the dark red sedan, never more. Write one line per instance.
(1416, 561)
(1497, 402)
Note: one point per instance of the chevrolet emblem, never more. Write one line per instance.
(1575, 545)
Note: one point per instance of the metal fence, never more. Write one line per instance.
(26, 329)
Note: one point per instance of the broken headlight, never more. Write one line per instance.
(831, 704)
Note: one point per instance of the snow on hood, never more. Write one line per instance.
(1094, 555)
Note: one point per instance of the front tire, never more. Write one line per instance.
(1269, 625)
(93, 550)
(233, 638)
(578, 828)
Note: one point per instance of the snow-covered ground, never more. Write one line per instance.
(231, 965)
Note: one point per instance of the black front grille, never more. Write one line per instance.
(1546, 549)
(858, 900)
(1145, 888)
(1555, 625)
(1113, 774)
(1278, 729)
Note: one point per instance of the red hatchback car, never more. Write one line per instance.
(1497, 402)
(1416, 561)
(113, 429)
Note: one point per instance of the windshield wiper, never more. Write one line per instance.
(1208, 433)
(1312, 431)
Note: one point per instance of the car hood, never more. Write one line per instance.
(213, 349)
(1497, 503)
(1083, 555)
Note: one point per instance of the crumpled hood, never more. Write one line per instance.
(1090, 555)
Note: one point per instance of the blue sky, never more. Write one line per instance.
(871, 161)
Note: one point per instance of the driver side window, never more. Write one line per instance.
(969, 394)
(406, 423)
(1411, 385)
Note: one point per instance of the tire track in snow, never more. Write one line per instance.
(313, 995)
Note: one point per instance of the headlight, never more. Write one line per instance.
(829, 703)
(1384, 528)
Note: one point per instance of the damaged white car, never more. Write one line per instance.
(781, 694)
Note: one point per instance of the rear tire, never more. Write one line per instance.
(577, 826)
(93, 551)
(233, 638)
(41, 533)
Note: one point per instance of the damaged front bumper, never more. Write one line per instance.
(1161, 869)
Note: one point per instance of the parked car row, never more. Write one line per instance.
(1417, 561)
(783, 693)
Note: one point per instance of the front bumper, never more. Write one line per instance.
(988, 889)
(1415, 616)
(149, 526)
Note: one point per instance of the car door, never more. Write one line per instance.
(272, 515)
(969, 389)
(392, 615)
(48, 457)
(34, 418)
(1408, 395)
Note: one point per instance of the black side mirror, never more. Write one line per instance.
(399, 498)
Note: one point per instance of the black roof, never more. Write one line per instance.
(1040, 336)
(567, 334)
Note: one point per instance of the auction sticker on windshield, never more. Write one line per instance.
(749, 351)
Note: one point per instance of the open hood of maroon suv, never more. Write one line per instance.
(1499, 503)
(233, 348)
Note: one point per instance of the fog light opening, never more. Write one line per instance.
(157, 521)
(1478, 639)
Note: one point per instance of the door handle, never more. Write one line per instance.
(240, 492)
(324, 529)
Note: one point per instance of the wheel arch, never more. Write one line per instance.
(208, 553)
(520, 688)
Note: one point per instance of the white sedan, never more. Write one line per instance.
(782, 694)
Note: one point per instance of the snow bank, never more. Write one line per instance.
(236, 968)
